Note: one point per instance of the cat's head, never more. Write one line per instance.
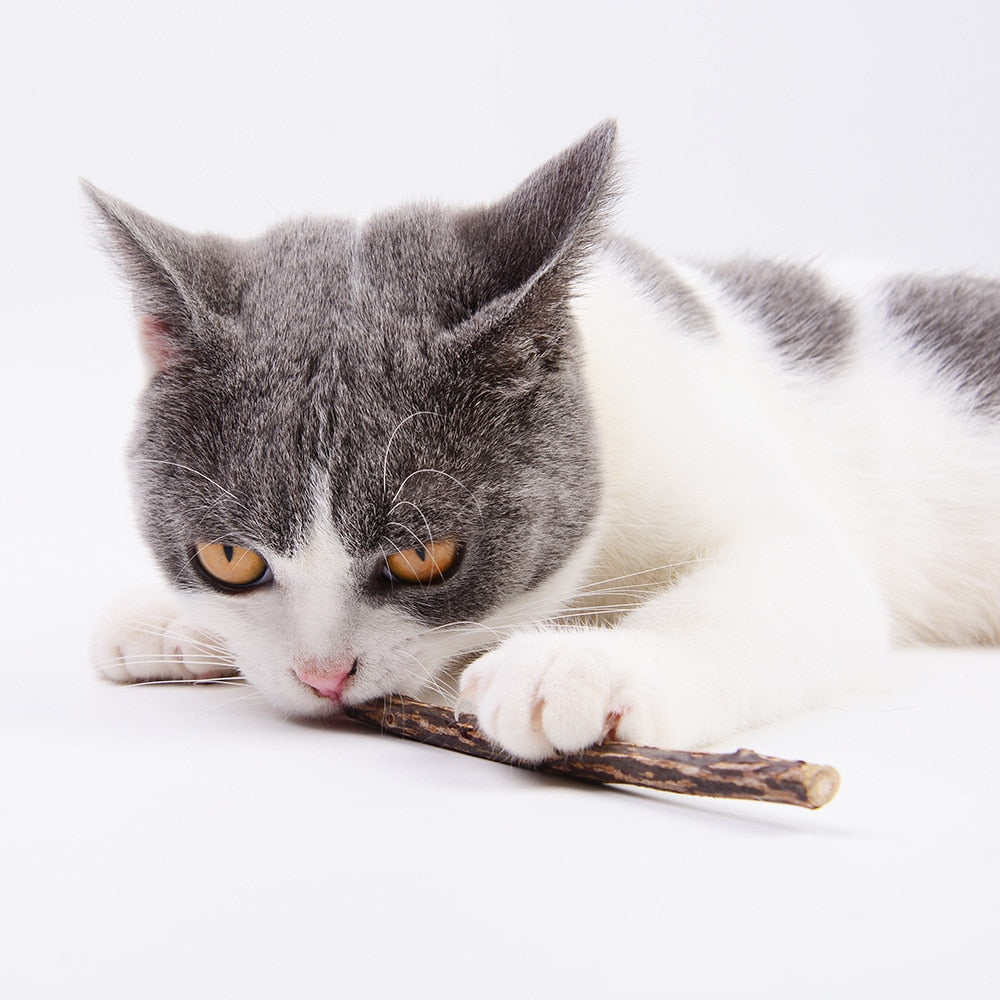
(366, 449)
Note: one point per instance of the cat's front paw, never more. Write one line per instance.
(148, 639)
(539, 694)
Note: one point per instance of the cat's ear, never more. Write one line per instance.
(539, 235)
(175, 276)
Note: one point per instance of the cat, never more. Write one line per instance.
(503, 457)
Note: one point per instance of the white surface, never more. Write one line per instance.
(185, 842)
(168, 842)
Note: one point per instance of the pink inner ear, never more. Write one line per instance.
(157, 341)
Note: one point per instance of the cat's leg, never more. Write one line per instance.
(766, 626)
(147, 637)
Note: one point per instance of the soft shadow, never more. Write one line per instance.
(775, 818)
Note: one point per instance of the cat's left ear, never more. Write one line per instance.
(532, 243)
(176, 277)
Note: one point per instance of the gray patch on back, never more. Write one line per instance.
(955, 321)
(809, 323)
(667, 288)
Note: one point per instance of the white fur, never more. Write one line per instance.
(766, 531)
(148, 637)
(797, 521)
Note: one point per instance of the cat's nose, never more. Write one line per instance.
(326, 678)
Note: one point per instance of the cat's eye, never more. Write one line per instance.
(424, 564)
(232, 566)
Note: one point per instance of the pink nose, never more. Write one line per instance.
(326, 679)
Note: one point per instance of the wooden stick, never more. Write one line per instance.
(740, 775)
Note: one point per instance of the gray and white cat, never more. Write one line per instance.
(665, 500)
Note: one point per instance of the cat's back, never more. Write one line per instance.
(869, 399)
(815, 319)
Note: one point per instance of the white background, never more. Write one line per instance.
(184, 842)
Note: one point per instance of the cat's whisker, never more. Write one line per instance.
(419, 541)
(428, 537)
(388, 445)
(178, 673)
(401, 552)
(181, 638)
(602, 610)
(663, 568)
(429, 679)
(455, 625)
(570, 603)
(446, 475)
(211, 649)
(251, 694)
(224, 491)
(563, 615)
(171, 659)
(175, 646)
(578, 603)
(190, 681)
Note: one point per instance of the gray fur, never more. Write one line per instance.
(328, 355)
(665, 285)
(809, 324)
(955, 322)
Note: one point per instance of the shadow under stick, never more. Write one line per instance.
(739, 775)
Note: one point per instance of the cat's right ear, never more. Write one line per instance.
(173, 275)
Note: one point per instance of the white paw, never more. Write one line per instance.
(543, 693)
(147, 639)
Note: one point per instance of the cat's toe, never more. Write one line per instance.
(578, 699)
(503, 697)
(147, 639)
(539, 695)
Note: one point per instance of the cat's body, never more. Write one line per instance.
(670, 500)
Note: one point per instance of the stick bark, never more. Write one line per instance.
(743, 774)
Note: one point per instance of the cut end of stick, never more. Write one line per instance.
(821, 785)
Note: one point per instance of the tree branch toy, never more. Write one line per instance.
(742, 774)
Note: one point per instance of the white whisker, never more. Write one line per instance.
(388, 445)
(192, 681)
(447, 475)
(428, 679)
(419, 541)
(194, 472)
(428, 537)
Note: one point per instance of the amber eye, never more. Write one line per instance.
(424, 564)
(231, 565)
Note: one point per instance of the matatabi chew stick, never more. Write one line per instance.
(740, 775)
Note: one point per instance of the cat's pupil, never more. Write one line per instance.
(228, 551)
(421, 552)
